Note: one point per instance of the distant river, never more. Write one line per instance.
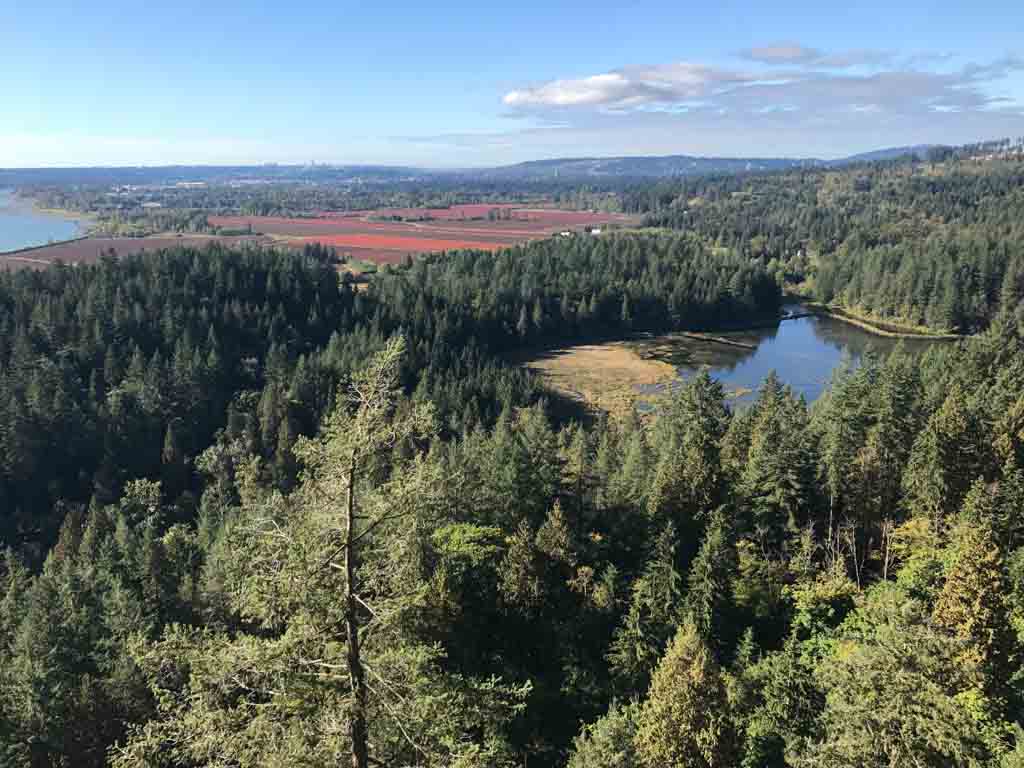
(21, 226)
(803, 353)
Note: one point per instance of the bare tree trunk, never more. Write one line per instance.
(833, 535)
(887, 530)
(849, 532)
(357, 720)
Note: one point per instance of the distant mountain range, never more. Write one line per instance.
(576, 169)
(638, 167)
(598, 168)
(918, 150)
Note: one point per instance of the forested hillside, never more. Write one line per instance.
(257, 517)
(937, 244)
(128, 368)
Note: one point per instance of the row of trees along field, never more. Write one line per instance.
(923, 243)
(297, 524)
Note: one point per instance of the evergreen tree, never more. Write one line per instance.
(709, 584)
(776, 480)
(684, 719)
(654, 613)
(972, 603)
(608, 742)
(947, 457)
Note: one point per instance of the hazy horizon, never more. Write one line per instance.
(456, 169)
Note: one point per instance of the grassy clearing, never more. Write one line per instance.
(603, 376)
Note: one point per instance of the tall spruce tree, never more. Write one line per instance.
(684, 720)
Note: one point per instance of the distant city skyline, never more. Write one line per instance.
(471, 85)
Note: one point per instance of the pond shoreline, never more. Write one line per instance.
(879, 329)
(809, 308)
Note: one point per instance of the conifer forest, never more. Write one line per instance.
(255, 512)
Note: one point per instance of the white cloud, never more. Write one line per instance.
(796, 55)
(634, 86)
(782, 53)
(598, 89)
(813, 82)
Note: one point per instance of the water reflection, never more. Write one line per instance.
(803, 352)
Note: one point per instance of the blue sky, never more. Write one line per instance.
(463, 84)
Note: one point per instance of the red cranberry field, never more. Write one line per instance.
(388, 235)
(384, 236)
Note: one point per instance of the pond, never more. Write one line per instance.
(21, 226)
(803, 352)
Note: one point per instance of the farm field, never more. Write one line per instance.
(388, 235)
(384, 236)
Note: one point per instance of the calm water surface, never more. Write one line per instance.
(803, 353)
(23, 227)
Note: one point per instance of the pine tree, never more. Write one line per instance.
(173, 470)
(522, 576)
(709, 583)
(972, 604)
(845, 424)
(626, 313)
(947, 457)
(578, 470)
(688, 480)
(684, 721)
(775, 484)
(607, 743)
(654, 613)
